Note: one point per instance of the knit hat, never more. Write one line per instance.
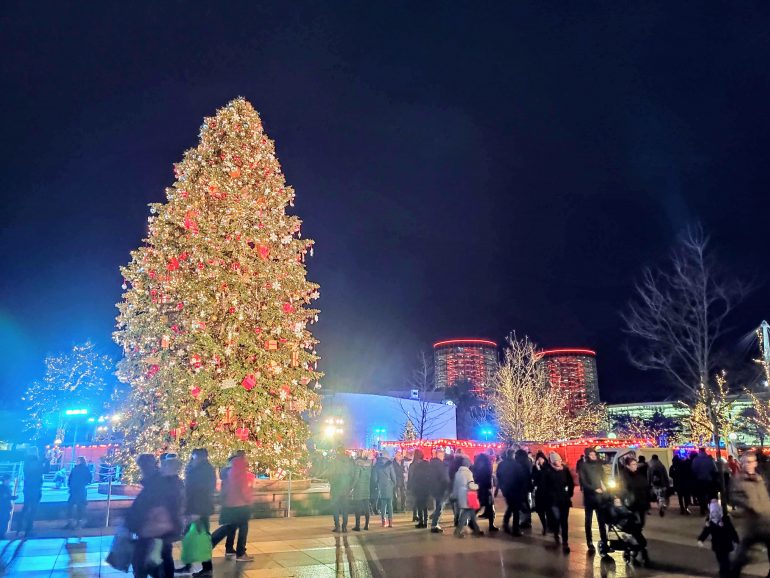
(553, 457)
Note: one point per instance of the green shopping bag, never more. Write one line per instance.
(196, 545)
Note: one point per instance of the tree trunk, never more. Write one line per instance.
(720, 469)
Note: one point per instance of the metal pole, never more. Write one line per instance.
(288, 501)
(109, 495)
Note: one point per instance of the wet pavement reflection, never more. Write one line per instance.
(305, 548)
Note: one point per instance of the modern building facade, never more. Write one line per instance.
(360, 420)
(573, 371)
(456, 360)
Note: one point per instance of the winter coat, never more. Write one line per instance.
(460, 489)
(704, 468)
(513, 480)
(161, 497)
(79, 478)
(200, 485)
(439, 478)
(591, 475)
(362, 479)
(723, 536)
(657, 474)
(400, 471)
(420, 477)
(559, 486)
(340, 476)
(750, 493)
(33, 480)
(238, 485)
(482, 475)
(542, 496)
(386, 480)
(635, 489)
(681, 476)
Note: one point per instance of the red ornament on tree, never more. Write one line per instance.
(242, 433)
(153, 370)
(196, 361)
(288, 307)
(195, 391)
(264, 251)
(249, 382)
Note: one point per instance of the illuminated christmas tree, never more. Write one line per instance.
(410, 433)
(77, 379)
(213, 322)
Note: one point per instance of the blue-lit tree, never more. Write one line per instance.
(78, 378)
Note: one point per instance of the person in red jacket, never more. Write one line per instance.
(236, 509)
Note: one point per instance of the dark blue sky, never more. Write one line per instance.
(465, 170)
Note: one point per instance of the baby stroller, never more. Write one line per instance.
(625, 532)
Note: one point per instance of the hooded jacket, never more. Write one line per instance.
(462, 478)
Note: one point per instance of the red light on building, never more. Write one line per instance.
(573, 371)
(456, 360)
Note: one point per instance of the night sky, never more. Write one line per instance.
(466, 169)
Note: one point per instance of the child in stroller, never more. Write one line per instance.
(627, 530)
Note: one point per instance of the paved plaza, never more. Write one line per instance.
(305, 547)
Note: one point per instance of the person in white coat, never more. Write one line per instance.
(463, 482)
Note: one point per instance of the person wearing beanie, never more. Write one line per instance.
(560, 486)
(591, 476)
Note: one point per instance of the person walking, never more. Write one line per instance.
(200, 485)
(723, 537)
(680, 477)
(591, 476)
(540, 491)
(751, 495)
(635, 489)
(33, 491)
(525, 510)
(399, 468)
(78, 481)
(454, 465)
(513, 481)
(236, 509)
(463, 484)
(704, 471)
(482, 475)
(560, 487)
(439, 489)
(155, 515)
(360, 495)
(659, 482)
(419, 487)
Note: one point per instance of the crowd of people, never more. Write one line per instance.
(166, 507)
(372, 484)
(369, 484)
